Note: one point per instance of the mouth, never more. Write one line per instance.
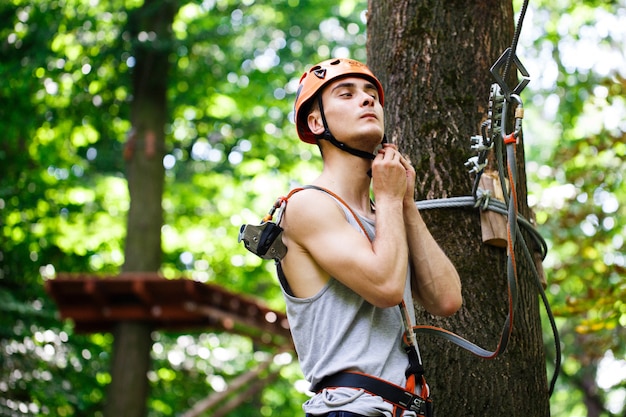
(369, 116)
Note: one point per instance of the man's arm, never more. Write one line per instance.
(321, 243)
(435, 281)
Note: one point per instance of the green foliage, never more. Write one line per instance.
(232, 150)
(576, 168)
(63, 200)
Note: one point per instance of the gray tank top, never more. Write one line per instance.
(337, 330)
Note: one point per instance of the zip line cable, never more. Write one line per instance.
(540, 246)
(516, 36)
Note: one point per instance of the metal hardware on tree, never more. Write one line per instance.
(494, 132)
(510, 56)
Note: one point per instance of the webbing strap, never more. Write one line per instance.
(283, 201)
(394, 394)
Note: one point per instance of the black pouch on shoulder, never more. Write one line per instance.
(264, 240)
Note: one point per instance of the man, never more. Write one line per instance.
(350, 262)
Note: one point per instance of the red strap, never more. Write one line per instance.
(315, 187)
(510, 138)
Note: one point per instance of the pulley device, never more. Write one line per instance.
(263, 239)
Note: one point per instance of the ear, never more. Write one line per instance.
(314, 120)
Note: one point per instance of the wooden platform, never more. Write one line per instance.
(97, 303)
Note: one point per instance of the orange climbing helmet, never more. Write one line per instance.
(318, 77)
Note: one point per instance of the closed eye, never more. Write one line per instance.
(347, 90)
(373, 93)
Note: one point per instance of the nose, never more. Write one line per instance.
(368, 100)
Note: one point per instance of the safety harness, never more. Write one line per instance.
(402, 399)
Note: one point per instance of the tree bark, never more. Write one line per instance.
(150, 30)
(433, 59)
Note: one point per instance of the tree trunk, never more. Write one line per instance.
(150, 29)
(433, 58)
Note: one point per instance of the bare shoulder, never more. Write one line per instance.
(309, 209)
(309, 218)
(322, 243)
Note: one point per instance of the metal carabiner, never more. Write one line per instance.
(513, 137)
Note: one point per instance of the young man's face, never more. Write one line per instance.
(353, 112)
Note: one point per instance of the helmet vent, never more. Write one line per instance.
(320, 73)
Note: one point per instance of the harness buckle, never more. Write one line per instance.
(414, 403)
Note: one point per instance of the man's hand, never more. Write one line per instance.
(409, 173)
(389, 174)
(409, 195)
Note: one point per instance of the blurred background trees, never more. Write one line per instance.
(576, 162)
(66, 87)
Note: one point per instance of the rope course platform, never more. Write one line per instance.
(96, 303)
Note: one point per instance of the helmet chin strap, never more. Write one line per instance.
(327, 135)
